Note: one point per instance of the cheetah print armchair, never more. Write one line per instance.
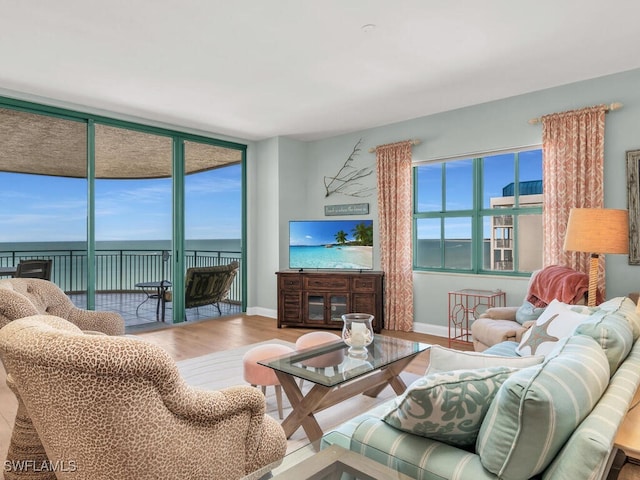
(23, 297)
(116, 407)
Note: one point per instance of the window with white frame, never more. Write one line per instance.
(480, 214)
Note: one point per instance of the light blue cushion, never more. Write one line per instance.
(585, 454)
(504, 349)
(448, 406)
(624, 307)
(528, 312)
(612, 332)
(537, 408)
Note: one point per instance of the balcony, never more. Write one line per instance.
(118, 271)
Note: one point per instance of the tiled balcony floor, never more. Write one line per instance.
(145, 317)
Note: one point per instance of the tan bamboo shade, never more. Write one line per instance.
(47, 145)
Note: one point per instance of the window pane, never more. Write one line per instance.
(497, 247)
(213, 204)
(530, 165)
(43, 168)
(133, 211)
(498, 178)
(457, 243)
(459, 175)
(429, 188)
(428, 243)
(529, 242)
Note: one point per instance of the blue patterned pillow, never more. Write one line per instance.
(448, 406)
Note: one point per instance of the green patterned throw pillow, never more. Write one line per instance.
(449, 406)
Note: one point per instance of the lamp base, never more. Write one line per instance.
(593, 280)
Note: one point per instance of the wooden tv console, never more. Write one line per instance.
(319, 299)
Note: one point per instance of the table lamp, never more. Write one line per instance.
(596, 231)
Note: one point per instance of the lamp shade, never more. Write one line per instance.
(597, 230)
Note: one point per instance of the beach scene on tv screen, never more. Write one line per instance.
(333, 244)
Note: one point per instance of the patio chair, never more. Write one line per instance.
(206, 286)
(35, 268)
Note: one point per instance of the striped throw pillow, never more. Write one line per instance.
(537, 409)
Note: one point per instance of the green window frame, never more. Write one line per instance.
(479, 214)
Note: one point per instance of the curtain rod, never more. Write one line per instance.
(611, 107)
(413, 142)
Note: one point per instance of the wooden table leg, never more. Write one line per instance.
(321, 397)
(302, 407)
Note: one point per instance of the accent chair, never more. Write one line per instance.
(109, 407)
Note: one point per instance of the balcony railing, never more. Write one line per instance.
(118, 271)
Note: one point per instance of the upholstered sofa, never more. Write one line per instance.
(24, 297)
(116, 407)
(554, 419)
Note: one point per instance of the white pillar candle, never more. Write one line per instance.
(358, 334)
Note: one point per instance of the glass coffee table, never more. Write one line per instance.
(337, 377)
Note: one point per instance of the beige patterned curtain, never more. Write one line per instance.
(394, 215)
(572, 172)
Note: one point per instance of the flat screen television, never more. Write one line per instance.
(331, 244)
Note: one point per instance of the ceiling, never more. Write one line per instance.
(304, 69)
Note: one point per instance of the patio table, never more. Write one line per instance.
(154, 290)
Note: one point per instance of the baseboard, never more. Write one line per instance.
(429, 329)
(264, 312)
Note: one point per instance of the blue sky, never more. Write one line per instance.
(43, 208)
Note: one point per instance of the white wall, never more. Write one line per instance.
(490, 126)
(263, 240)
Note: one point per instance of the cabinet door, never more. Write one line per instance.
(338, 306)
(291, 307)
(367, 303)
(316, 306)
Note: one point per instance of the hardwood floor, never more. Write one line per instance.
(192, 339)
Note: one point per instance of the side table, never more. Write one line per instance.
(467, 305)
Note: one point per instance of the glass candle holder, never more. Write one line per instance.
(357, 332)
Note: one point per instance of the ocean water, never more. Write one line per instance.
(335, 257)
(226, 245)
(457, 253)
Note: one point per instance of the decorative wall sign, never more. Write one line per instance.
(633, 195)
(346, 181)
(347, 209)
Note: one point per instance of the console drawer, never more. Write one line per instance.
(326, 283)
(364, 283)
(290, 282)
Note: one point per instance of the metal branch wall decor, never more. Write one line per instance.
(347, 180)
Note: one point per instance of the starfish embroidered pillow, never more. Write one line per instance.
(559, 320)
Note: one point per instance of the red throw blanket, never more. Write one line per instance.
(556, 282)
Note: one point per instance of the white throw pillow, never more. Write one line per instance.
(559, 320)
(442, 359)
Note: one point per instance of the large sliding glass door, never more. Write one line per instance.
(133, 215)
(124, 204)
(213, 211)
